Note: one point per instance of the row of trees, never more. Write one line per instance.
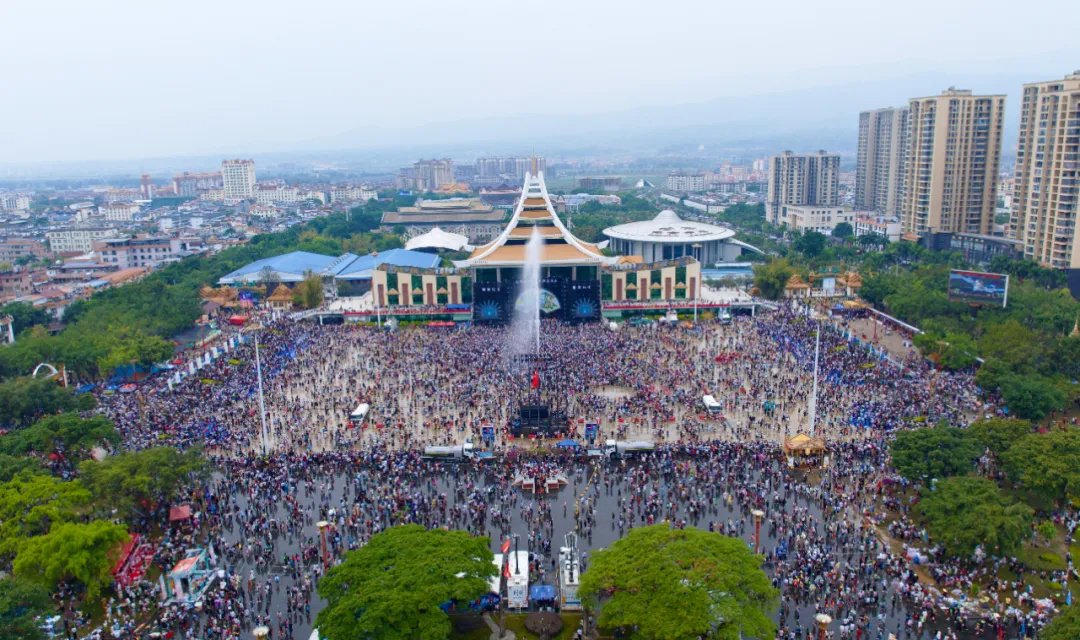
(64, 515)
(656, 583)
(1028, 356)
(963, 510)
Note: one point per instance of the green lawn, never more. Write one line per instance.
(472, 627)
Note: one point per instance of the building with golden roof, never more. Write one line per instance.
(576, 277)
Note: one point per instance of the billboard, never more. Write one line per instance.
(977, 287)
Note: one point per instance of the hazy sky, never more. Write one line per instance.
(117, 79)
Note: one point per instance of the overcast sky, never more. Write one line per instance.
(110, 79)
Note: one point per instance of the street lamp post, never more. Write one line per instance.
(262, 400)
(758, 516)
(813, 394)
(823, 621)
(323, 526)
(697, 289)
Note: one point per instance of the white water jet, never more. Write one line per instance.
(525, 330)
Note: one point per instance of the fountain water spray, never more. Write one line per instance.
(525, 330)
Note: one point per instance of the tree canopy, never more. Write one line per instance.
(66, 433)
(965, 512)
(25, 399)
(713, 582)
(998, 434)
(391, 588)
(137, 483)
(21, 603)
(1066, 626)
(933, 452)
(771, 278)
(32, 503)
(1047, 464)
(72, 551)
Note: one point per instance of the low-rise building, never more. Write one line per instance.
(352, 194)
(78, 239)
(11, 249)
(268, 194)
(574, 201)
(470, 217)
(888, 228)
(814, 218)
(147, 252)
(15, 202)
(118, 211)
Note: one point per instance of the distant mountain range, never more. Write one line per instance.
(803, 119)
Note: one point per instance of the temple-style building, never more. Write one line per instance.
(580, 280)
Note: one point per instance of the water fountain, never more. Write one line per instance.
(525, 330)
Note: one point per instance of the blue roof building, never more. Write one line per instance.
(289, 268)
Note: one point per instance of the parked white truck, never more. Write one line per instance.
(456, 453)
(625, 448)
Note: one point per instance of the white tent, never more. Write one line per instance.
(439, 239)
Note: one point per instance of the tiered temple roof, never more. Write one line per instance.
(534, 211)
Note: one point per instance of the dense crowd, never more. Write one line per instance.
(836, 540)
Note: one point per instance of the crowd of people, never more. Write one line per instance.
(835, 540)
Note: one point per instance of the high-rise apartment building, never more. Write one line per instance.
(1048, 173)
(238, 179)
(952, 161)
(879, 173)
(801, 179)
(429, 175)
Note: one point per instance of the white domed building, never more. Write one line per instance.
(667, 236)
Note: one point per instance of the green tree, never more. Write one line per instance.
(391, 588)
(998, 434)
(713, 582)
(25, 399)
(1047, 464)
(933, 452)
(1031, 396)
(67, 433)
(24, 315)
(85, 553)
(810, 244)
(951, 351)
(772, 278)
(21, 604)
(309, 293)
(965, 512)
(1065, 626)
(30, 504)
(11, 466)
(140, 482)
(843, 230)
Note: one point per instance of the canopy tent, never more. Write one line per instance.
(179, 513)
(805, 449)
(567, 444)
(542, 592)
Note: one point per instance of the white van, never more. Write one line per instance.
(357, 417)
(711, 405)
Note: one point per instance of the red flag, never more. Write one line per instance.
(536, 380)
(506, 569)
(505, 545)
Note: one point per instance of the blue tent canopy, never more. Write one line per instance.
(567, 444)
(542, 592)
